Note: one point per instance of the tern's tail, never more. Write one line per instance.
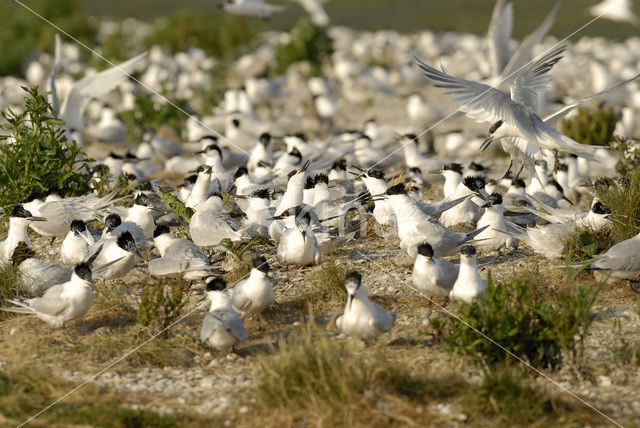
(469, 236)
(566, 144)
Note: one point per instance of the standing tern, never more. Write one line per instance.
(19, 221)
(363, 318)
(75, 246)
(469, 285)
(433, 276)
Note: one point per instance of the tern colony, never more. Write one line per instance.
(305, 177)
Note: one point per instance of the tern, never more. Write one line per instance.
(61, 303)
(254, 294)
(514, 115)
(469, 285)
(298, 244)
(222, 327)
(433, 276)
(363, 318)
(75, 246)
(178, 255)
(19, 221)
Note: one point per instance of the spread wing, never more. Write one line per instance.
(95, 86)
(499, 34)
(523, 54)
(535, 79)
(480, 102)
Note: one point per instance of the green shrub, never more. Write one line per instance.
(530, 327)
(623, 198)
(308, 43)
(41, 158)
(219, 34)
(22, 32)
(593, 127)
(160, 305)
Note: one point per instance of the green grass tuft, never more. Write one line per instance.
(592, 127)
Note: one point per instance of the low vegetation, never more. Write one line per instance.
(308, 43)
(539, 331)
(593, 127)
(622, 196)
(36, 155)
(26, 33)
(583, 243)
(160, 305)
(629, 150)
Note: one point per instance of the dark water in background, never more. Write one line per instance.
(400, 15)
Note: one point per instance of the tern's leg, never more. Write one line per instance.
(506, 174)
(446, 301)
(556, 164)
(519, 171)
(53, 239)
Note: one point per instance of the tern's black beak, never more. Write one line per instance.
(350, 298)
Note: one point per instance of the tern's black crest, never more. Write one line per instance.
(215, 147)
(455, 167)
(398, 189)
(518, 183)
(321, 178)
(161, 230)
(216, 284)
(130, 156)
(495, 199)
(542, 163)
(340, 165)
(127, 243)
(468, 250)
(83, 271)
(353, 276)
(143, 200)
(190, 180)
(212, 138)
(495, 126)
(473, 166)
(309, 183)
(563, 167)
(411, 137)
(261, 193)
(475, 184)
(261, 264)
(296, 153)
(376, 173)
(31, 197)
(415, 170)
(19, 211)
(600, 208)
(77, 226)
(112, 221)
(240, 172)
(265, 138)
(21, 253)
(214, 195)
(236, 123)
(115, 156)
(425, 249)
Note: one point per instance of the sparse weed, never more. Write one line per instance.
(583, 243)
(531, 328)
(36, 155)
(319, 379)
(160, 305)
(593, 127)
